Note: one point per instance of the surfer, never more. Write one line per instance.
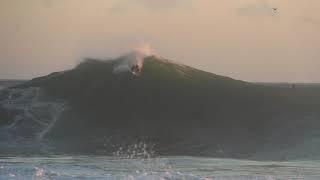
(135, 69)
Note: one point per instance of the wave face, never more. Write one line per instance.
(176, 109)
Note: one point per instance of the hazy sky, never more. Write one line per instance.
(244, 39)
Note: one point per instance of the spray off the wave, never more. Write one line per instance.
(133, 61)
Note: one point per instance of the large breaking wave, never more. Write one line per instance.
(103, 107)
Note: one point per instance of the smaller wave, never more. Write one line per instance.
(173, 168)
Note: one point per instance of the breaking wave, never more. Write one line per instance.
(133, 61)
(109, 107)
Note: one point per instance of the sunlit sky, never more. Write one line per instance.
(243, 39)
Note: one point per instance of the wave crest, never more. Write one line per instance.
(133, 61)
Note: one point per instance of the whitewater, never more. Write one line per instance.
(161, 168)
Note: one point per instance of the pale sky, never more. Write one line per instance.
(243, 39)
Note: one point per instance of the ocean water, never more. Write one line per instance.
(133, 163)
(9, 83)
(161, 168)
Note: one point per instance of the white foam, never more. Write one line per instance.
(57, 111)
(30, 108)
(135, 57)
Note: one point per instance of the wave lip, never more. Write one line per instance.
(133, 61)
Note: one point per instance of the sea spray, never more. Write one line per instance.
(146, 162)
(140, 150)
(133, 61)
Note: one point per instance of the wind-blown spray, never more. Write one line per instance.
(133, 61)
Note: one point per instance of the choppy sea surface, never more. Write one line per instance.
(162, 168)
